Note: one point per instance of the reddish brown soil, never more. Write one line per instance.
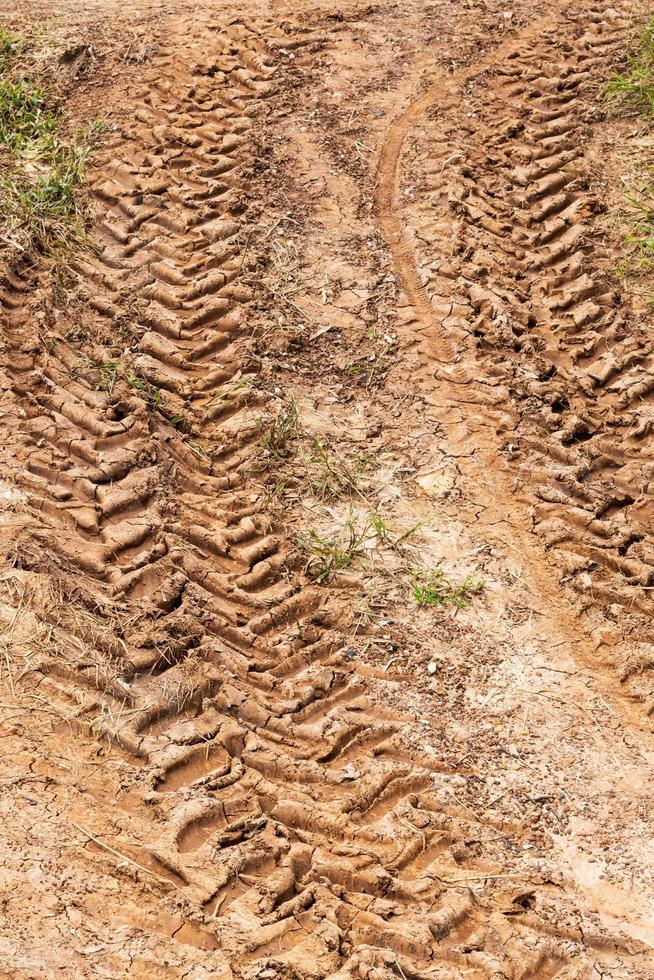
(218, 759)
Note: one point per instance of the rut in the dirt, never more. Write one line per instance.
(303, 836)
(525, 315)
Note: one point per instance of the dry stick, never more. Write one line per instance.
(495, 799)
(6, 650)
(456, 881)
(553, 697)
(245, 252)
(459, 802)
(25, 708)
(11, 679)
(397, 964)
(220, 900)
(559, 670)
(282, 296)
(284, 217)
(19, 714)
(416, 831)
(123, 857)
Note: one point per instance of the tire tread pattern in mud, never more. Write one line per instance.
(304, 836)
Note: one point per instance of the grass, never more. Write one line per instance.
(635, 86)
(108, 376)
(10, 46)
(26, 120)
(332, 555)
(434, 588)
(331, 478)
(358, 534)
(643, 234)
(109, 373)
(151, 394)
(284, 427)
(41, 167)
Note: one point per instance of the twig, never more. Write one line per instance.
(460, 802)
(220, 900)
(415, 830)
(245, 251)
(495, 799)
(397, 964)
(10, 630)
(123, 857)
(457, 881)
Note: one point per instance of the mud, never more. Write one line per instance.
(220, 762)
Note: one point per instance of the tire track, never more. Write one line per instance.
(303, 828)
(511, 208)
(390, 207)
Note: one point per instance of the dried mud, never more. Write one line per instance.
(217, 765)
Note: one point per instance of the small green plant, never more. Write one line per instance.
(151, 394)
(228, 390)
(434, 588)
(285, 426)
(640, 257)
(635, 86)
(332, 555)
(38, 189)
(331, 477)
(278, 489)
(108, 375)
(381, 529)
(643, 233)
(202, 452)
(26, 120)
(359, 533)
(10, 46)
(41, 169)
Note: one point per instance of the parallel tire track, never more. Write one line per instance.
(305, 830)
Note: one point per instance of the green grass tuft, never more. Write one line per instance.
(41, 168)
(634, 89)
(331, 476)
(635, 86)
(10, 46)
(151, 394)
(26, 121)
(331, 555)
(284, 427)
(434, 588)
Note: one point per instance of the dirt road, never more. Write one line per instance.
(326, 525)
